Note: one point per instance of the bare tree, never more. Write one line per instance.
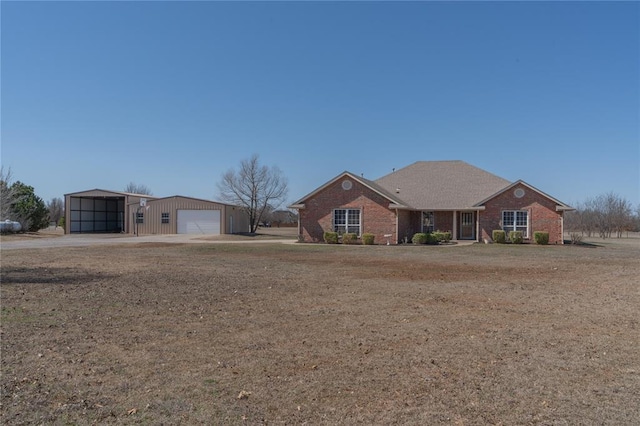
(7, 194)
(56, 210)
(283, 217)
(134, 188)
(254, 187)
(604, 214)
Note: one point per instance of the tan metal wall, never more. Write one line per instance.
(154, 209)
(230, 216)
(240, 220)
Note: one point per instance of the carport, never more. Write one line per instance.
(98, 211)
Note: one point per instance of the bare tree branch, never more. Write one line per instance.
(134, 188)
(7, 194)
(56, 210)
(255, 188)
(604, 214)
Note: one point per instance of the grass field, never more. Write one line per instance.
(317, 334)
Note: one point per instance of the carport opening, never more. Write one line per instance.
(96, 214)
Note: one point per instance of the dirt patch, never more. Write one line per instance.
(288, 233)
(43, 233)
(250, 334)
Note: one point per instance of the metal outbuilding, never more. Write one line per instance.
(101, 211)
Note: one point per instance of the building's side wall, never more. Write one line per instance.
(237, 220)
(376, 217)
(154, 209)
(67, 214)
(542, 214)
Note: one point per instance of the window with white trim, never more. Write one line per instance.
(140, 217)
(346, 220)
(428, 225)
(516, 220)
(165, 217)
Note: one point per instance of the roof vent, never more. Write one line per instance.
(397, 190)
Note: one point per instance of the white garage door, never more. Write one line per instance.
(199, 222)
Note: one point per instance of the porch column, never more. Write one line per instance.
(477, 225)
(455, 227)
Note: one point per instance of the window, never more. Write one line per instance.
(140, 217)
(516, 220)
(427, 222)
(346, 220)
(165, 217)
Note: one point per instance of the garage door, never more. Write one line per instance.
(199, 222)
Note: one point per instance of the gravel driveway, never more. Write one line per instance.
(81, 240)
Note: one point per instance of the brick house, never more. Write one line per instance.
(427, 196)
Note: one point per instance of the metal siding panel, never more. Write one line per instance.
(240, 220)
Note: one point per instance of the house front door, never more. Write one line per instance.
(467, 227)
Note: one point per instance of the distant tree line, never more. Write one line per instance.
(605, 215)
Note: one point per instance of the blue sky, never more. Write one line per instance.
(171, 95)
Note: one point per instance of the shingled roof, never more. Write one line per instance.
(442, 185)
(389, 195)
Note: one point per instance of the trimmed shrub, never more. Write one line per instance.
(516, 237)
(541, 238)
(367, 239)
(330, 237)
(431, 239)
(499, 236)
(419, 238)
(349, 238)
(441, 237)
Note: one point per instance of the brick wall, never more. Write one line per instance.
(542, 214)
(443, 221)
(376, 218)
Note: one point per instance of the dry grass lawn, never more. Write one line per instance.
(317, 334)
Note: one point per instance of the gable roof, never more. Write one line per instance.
(183, 197)
(442, 185)
(104, 192)
(365, 182)
(559, 204)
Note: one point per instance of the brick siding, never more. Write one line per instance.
(542, 213)
(376, 217)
